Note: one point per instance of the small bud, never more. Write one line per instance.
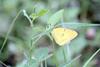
(90, 34)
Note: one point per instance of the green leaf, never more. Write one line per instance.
(55, 18)
(42, 12)
(34, 16)
(27, 63)
(41, 53)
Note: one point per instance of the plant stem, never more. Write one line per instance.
(3, 64)
(41, 64)
(45, 63)
(73, 60)
(26, 15)
(9, 30)
(78, 24)
(54, 54)
(50, 55)
(87, 62)
(68, 53)
(64, 55)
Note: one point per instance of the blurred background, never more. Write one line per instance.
(76, 11)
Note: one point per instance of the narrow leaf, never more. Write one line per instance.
(88, 61)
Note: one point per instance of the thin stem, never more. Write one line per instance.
(45, 63)
(46, 58)
(3, 64)
(78, 24)
(9, 30)
(32, 44)
(32, 47)
(87, 62)
(41, 64)
(73, 60)
(68, 53)
(54, 53)
(64, 55)
(26, 15)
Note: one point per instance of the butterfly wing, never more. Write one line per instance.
(63, 35)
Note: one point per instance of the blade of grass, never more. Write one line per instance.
(65, 59)
(73, 60)
(78, 24)
(87, 62)
(9, 30)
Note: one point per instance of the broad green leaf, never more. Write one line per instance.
(42, 12)
(55, 18)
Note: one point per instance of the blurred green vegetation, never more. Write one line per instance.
(33, 46)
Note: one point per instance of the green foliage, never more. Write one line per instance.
(39, 14)
(42, 12)
(31, 36)
(41, 53)
(55, 18)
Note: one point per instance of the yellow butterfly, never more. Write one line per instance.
(63, 36)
